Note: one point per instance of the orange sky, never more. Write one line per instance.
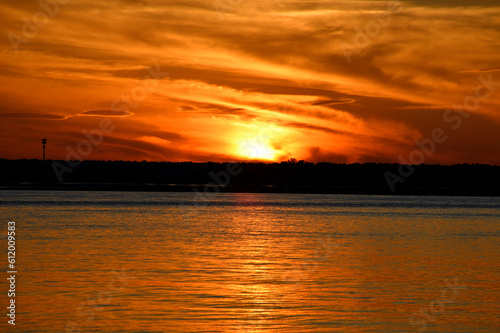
(337, 81)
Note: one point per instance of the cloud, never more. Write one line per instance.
(319, 128)
(107, 113)
(33, 116)
(488, 70)
(264, 63)
(337, 101)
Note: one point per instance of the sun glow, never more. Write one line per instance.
(260, 141)
(254, 149)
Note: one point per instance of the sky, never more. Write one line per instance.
(242, 80)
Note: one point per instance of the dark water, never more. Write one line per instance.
(163, 262)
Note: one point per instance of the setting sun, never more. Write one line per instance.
(254, 149)
(262, 141)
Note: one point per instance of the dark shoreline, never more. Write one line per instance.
(236, 189)
(283, 177)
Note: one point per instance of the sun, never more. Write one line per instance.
(255, 149)
(260, 141)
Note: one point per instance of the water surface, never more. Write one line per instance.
(172, 262)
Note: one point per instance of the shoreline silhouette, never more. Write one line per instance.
(280, 177)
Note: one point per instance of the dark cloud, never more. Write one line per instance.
(482, 70)
(319, 128)
(212, 109)
(33, 116)
(106, 113)
(316, 154)
(455, 3)
(326, 102)
(170, 136)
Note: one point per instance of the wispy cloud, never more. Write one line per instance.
(107, 113)
(21, 115)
